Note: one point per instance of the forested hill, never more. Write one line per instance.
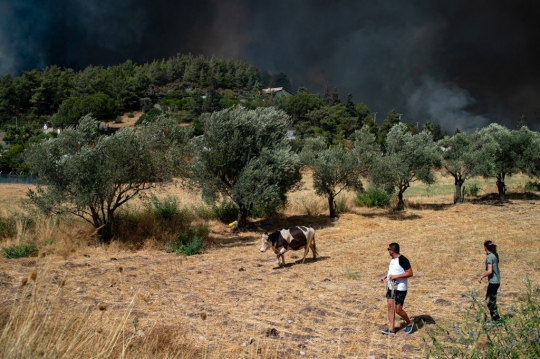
(61, 95)
(182, 88)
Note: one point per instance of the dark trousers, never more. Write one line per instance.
(491, 297)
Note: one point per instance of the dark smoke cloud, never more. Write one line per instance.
(459, 63)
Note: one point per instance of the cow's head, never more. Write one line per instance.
(265, 242)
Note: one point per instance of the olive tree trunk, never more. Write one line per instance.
(458, 195)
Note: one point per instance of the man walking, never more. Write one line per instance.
(398, 271)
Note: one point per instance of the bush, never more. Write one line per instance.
(474, 337)
(149, 116)
(225, 212)
(373, 198)
(165, 208)
(532, 186)
(189, 241)
(130, 115)
(257, 212)
(472, 190)
(20, 250)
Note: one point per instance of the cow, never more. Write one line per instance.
(294, 238)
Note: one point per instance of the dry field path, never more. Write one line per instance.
(332, 307)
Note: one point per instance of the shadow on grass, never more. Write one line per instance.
(422, 320)
(393, 215)
(429, 206)
(492, 199)
(309, 260)
(235, 241)
(318, 222)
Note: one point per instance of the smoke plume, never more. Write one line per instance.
(459, 63)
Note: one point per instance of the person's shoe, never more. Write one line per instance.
(388, 332)
(409, 328)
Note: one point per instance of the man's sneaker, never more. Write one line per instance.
(409, 328)
(388, 332)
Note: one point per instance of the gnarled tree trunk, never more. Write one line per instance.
(401, 203)
(458, 183)
(501, 187)
(331, 205)
(242, 217)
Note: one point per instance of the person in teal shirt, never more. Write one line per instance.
(494, 278)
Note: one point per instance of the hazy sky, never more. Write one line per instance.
(459, 63)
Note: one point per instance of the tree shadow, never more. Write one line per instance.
(429, 206)
(308, 261)
(393, 215)
(492, 199)
(318, 222)
(235, 241)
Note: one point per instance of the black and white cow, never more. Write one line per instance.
(294, 238)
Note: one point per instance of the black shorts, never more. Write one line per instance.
(399, 296)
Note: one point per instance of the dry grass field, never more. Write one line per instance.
(232, 301)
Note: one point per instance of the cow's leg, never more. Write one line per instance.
(314, 247)
(306, 250)
(281, 255)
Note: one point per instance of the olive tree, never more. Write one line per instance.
(465, 156)
(245, 156)
(334, 170)
(408, 158)
(90, 176)
(515, 151)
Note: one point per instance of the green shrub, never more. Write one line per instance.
(516, 336)
(118, 119)
(189, 241)
(130, 115)
(165, 208)
(149, 116)
(532, 186)
(472, 190)
(20, 250)
(373, 198)
(48, 242)
(256, 212)
(225, 212)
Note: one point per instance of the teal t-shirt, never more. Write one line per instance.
(495, 276)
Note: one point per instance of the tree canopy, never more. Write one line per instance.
(408, 158)
(515, 151)
(88, 175)
(334, 170)
(244, 156)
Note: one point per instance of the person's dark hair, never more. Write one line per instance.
(492, 247)
(394, 247)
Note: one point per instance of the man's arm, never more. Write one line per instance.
(408, 273)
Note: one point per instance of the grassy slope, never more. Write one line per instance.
(333, 306)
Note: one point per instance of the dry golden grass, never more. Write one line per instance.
(232, 301)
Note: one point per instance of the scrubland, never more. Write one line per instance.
(133, 299)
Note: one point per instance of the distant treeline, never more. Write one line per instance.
(61, 95)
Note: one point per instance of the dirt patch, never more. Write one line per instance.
(128, 119)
